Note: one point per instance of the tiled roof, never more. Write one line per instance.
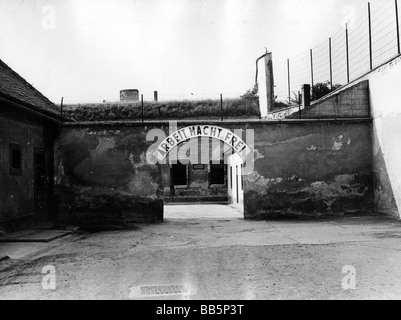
(16, 88)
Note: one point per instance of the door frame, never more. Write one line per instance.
(39, 214)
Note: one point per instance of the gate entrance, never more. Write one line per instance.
(203, 165)
(196, 183)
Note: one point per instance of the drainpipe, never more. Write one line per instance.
(257, 67)
(266, 103)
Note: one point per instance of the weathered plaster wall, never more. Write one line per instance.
(102, 175)
(301, 168)
(17, 191)
(385, 100)
(310, 168)
(385, 108)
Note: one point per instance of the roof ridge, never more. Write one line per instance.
(35, 91)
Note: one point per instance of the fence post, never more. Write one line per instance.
(61, 107)
(331, 66)
(370, 37)
(221, 106)
(142, 107)
(289, 82)
(299, 105)
(398, 27)
(347, 50)
(311, 66)
(306, 96)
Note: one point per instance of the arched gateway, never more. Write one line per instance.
(188, 181)
(207, 131)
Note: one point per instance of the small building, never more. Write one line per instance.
(129, 95)
(29, 124)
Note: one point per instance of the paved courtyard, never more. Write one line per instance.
(210, 252)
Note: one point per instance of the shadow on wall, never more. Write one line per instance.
(102, 177)
(311, 169)
(385, 201)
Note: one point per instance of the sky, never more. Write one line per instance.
(89, 50)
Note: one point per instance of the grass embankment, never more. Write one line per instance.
(204, 109)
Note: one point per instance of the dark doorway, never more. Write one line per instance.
(179, 175)
(40, 183)
(217, 173)
(236, 181)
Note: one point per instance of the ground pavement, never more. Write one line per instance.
(211, 252)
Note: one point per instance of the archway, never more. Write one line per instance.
(207, 131)
(203, 175)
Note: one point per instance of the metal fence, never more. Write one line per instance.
(370, 38)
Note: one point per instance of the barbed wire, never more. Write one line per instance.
(367, 41)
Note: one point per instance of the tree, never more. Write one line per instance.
(321, 89)
(251, 94)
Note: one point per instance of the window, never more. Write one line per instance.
(179, 175)
(15, 159)
(231, 177)
(198, 167)
(217, 173)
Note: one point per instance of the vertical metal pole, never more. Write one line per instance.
(370, 38)
(331, 66)
(61, 106)
(142, 107)
(347, 50)
(289, 82)
(299, 105)
(398, 27)
(221, 106)
(311, 65)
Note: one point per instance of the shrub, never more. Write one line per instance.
(165, 110)
(321, 89)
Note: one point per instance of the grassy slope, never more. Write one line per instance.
(203, 109)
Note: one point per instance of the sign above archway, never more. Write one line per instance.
(208, 131)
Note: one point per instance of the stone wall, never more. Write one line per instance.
(102, 176)
(385, 98)
(310, 168)
(17, 191)
(349, 102)
(301, 168)
(377, 92)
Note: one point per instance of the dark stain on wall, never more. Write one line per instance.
(102, 175)
(17, 190)
(310, 169)
(25, 195)
(301, 168)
